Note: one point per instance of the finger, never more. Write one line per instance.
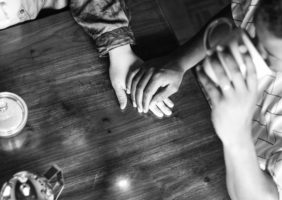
(164, 108)
(251, 74)
(221, 75)
(121, 96)
(141, 86)
(156, 111)
(135, 81)
(151, 88)
(209, 86)
(163, 94)
(236, 65)
(168, 102)
(129, 79)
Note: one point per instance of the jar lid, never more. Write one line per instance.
(13, 114)
(26, 186)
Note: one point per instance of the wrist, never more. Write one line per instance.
(121, 51)
(174, 61)
(238, 144)
(244, 149)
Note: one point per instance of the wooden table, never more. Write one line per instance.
(75, 122)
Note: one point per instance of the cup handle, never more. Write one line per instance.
(55, 177)
(209, 30)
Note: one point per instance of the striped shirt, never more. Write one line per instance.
(243, 12)
(267, 121)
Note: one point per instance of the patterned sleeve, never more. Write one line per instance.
(106, 21)
(274, 168)
(243, 12)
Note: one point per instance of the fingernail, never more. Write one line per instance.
(134, 105)
(122, 107)
(139, 110)
(243, 49)
(146, 110)
(219, 48)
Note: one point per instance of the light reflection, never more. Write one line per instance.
(123, 183)
(13, 143)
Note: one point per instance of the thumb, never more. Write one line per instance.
(121, 96)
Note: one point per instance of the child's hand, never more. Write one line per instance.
(154, 83)
(233, 102)
(123, 60)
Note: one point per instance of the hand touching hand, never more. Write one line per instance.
(122, 59)
(154, 83)
(233, 99)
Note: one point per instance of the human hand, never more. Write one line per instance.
(233, 99)
(122, 59)
(153, 83)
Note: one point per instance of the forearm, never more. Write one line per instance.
(118, 54)
(245, 180)
(193, 51)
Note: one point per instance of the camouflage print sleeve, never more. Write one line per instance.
(106, 21)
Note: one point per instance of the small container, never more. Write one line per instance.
(13, 114)
(28, 186)
(221, 33)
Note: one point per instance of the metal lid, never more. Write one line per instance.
(13, 114)
(27, 186)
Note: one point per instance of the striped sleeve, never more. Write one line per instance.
(274, 168)
(243, 13)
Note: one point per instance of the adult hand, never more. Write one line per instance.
(157, 80)
(233, 102)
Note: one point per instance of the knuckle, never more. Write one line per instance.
(157, 75)
(174, 88)
(159, 98)
(146, 94)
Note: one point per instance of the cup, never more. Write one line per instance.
(13, 114)
(221, 34)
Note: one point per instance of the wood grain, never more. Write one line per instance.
(75, 122)
(191, 15)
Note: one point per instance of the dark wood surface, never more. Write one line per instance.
(191, 15)
(75, 122)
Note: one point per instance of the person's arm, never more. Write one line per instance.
(167, 76)
(233, 102)
(106, 21)
(192, 52)
(245, 180)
